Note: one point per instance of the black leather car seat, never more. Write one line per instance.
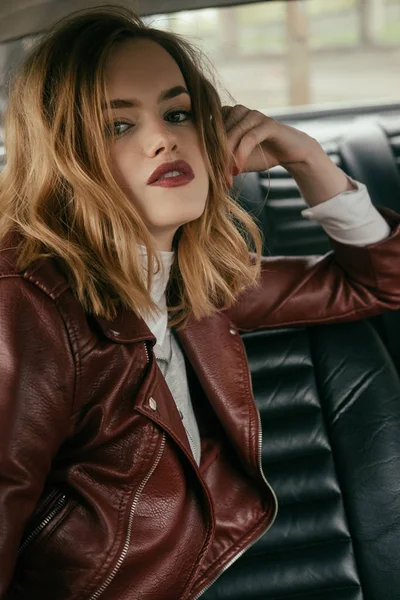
(329, 400)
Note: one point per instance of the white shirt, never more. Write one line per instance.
(350, 217)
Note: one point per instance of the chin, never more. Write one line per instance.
(181, 219)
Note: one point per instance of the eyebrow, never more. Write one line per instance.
(132, 103)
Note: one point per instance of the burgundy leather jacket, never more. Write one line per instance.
(99, 494)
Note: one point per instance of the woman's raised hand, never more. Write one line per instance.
(258, 142)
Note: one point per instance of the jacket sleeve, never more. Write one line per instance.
(37, 379)
(349, 283)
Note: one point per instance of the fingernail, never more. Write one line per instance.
(235, 171)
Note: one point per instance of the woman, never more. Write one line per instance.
(129, 438)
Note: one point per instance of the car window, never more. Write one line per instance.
(280, 54)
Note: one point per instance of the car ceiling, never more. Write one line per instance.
(23, 17)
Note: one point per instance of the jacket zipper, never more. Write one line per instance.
(235, 558)
(44, 522)
(125, 549)
(147, 352)
(135, 501)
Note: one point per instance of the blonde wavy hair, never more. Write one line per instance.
(57, 189)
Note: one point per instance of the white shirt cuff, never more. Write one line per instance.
(350, 217)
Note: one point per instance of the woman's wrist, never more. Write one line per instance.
(319, 179)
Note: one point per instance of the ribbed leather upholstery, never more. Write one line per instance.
(329, 399)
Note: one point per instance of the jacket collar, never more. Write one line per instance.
(127, 327)
(46, 274)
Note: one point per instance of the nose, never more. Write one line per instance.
(158, 138)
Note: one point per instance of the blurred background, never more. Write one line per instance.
(304, 52)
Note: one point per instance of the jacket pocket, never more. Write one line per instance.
(45, 512)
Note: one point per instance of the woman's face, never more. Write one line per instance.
(153, 126)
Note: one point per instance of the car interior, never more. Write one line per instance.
(328, 395)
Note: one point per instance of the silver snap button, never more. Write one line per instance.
(152, 403)
(232, 330)
(114, 332)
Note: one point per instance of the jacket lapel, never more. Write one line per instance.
(154, 399)
(216, 352)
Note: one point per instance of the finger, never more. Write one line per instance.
(225, 112)
(252, 120)
(234, 116)
(237, 131)
(250, 142)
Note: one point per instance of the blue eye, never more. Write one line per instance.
(117, 124)
(111, 131)
(183, 115)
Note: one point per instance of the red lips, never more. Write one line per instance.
(177, 165)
